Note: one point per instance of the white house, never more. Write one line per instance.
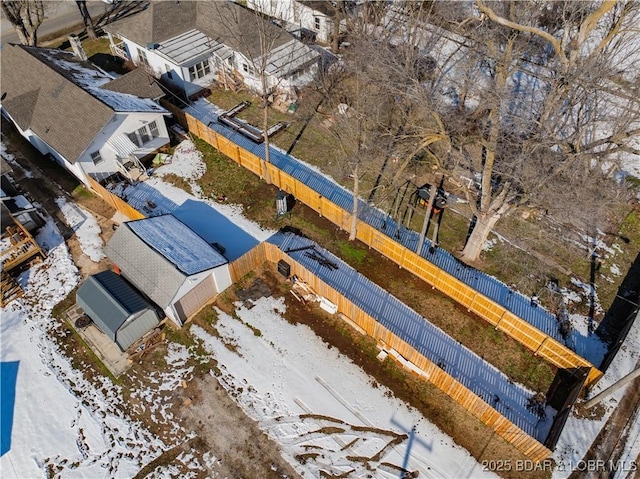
(78, 114)
(173, 266)
(190, 45)
(303, 16)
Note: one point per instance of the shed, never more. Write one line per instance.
(173, 266)
(116, 308)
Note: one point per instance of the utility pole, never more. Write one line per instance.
(613, 388)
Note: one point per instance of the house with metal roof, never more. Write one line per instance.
(91, 123)
(192, 44)
(173, 266)
(117, 309)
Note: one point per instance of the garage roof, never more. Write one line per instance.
(111, 301)
(177, 243)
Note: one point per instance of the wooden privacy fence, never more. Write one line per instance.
(118, 203)
(406, 355)
(498, 316)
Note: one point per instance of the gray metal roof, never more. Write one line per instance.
(190, 46)
(467, 367)
(109, 300)
(177, 243)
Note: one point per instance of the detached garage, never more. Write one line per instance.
(173, 266)
(116, 308)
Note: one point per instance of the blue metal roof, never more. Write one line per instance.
(467, 367)
(485, 284)
(177, 243)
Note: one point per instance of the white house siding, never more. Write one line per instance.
(282, 9)
(121, 123)
(160, 65)
(222, 277)
(297, 16)
(44, 148)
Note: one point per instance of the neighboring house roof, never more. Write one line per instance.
(172, 27)
(110, 301)
(319, 6)
(177, 243)
(137, 82)
(60, 97)
(148, 252)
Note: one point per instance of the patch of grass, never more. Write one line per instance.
(82, 192)
(351, 252)
(177, 181)
(93, 47)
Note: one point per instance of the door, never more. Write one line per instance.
(191, 302)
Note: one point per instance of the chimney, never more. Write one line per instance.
(76, 45)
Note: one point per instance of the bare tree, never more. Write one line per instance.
(549, 111)
(26, 16)
(86, 19)
(266, 48)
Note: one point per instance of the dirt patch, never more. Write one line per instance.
(243, 449)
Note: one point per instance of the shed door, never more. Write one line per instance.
(196, 298)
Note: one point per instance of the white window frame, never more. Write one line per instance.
(199, 70)
(142, 57)
(153, 129)
(96, 157)
(316, 23)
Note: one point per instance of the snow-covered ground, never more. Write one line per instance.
(85, 226)
(319, 406)
(61, 422)
(579, 433)
(313, 401)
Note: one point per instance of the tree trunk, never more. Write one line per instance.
(86, 18)
(265, 127)
(356, 189)
(336, 27)
(484, 225)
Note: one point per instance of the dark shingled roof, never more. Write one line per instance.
(39, 98)
(326, 8)
(225, 22)
(137, 82)
(60, 98)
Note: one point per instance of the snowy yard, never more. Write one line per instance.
(323, 411)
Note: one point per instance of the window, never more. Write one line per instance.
(199, 70)
(144, 134)
(96, 157)
(134, 138)
(142, 57)
(153, 129)
(316, 23)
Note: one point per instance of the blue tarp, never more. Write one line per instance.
(8, 377)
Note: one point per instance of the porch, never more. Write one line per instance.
(119, 50)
